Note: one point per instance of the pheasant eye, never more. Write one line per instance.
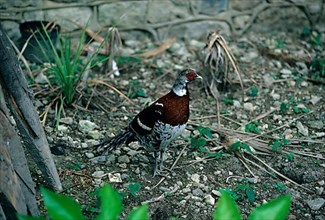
(191, 76)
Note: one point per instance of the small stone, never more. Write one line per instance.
(132, 152)
(114, 177)
(94, 134)
(249, 106)
(316, 204)
(209, 200)
(84, 145)
(304, 84)
(285, 73)
(268, 80)
(85, 126)
(98, 182)
(195, 178)
(182, 202)
(197, 192)
(319, 190)
(316, 124)
(236, 103)
(186, 190)
(275, 96)
(98, 174)
(315, 99)
(67, 120)
(89, 155)
(321, 183)
(41, 79)
(123, 159)
(252, 180)
(216, 193)
(99, 159)
(62, 128)
(302, 129)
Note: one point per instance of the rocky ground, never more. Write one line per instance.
(285, 100)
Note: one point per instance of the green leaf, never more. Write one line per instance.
(283, 107)
(26, 217)
(250, 195)
(228, 101)
(235, 146)
(61, 206)
(226, 208)
(198, 142)
(111, 203)
(134, 188)
(139, 213)
(275, 209)
(253, 91)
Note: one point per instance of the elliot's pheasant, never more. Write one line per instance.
(159, 124)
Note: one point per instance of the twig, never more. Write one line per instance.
(280, 174)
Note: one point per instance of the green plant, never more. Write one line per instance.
(63, 207)
(242, 190)
(278, 144)
(253, 91)
(293, 105)
(253, 127)
(240, 147)
(199, 141)
(136, 90)
(134, 188)
(275, 209)
(280, 187)
(228, 101)
(68, 67)
(290, 156)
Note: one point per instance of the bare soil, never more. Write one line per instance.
(190, 190)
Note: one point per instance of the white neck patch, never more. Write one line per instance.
(179, 92)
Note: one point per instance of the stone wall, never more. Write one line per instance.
(159, 19)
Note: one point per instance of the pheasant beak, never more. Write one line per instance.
(199, 77)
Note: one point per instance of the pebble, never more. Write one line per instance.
(209, 200)
(321, 183)
(316, 124)
(62, 128)
(285, 73)
(216, 193)
(123, 159)
(197, 192)
(99, 159)
(319, 190)
(304, 84)
(132, 152)
(315, 99)
(195, 178)
(89, 155)
(302, 129)
(94, 134)
(41, 79)
(186, 190)
(67, 120)
(249, 106)
(85, 126)
(84, 145)
(316, 204)
(114, 177)
(98, 174)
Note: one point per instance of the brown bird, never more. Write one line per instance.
(159, 124)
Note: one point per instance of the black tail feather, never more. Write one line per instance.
(111, 144)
